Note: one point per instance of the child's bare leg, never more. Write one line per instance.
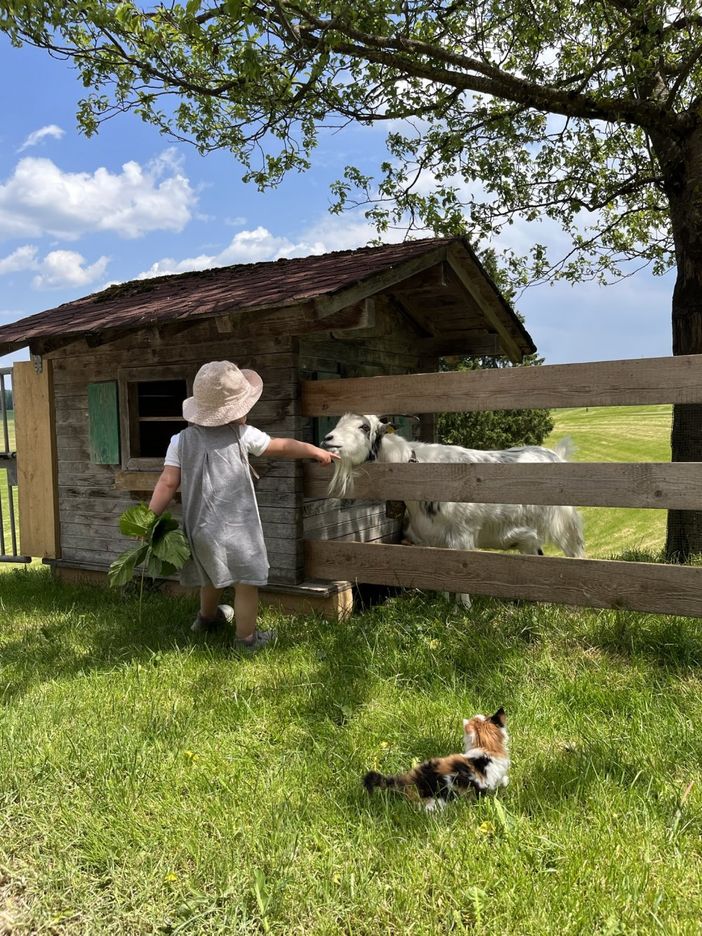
(245, 610)
(209, 600)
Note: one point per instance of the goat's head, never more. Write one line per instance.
(356, 438)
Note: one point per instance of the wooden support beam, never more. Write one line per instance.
(676, 486)
(486, 296)
(137, 481)
(606, 383)
(590, 583)
(328, 305)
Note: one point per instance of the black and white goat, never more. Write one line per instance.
(358, 439)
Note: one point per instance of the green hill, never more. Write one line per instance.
(626, 434)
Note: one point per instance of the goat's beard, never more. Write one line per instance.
(341, 483)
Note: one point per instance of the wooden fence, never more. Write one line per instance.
(660, 588)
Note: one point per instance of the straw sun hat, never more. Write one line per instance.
(221, 394)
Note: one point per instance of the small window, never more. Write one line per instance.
(152, 403)
(158, 416)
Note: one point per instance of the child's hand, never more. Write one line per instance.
(324, 457)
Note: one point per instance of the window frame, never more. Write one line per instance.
(128, 378)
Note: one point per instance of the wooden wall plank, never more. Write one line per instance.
(606, 383)
(675, 486)
(593, 583)
(36, 460)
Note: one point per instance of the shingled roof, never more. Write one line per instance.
(179, 297)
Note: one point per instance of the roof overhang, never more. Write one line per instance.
(442, 287)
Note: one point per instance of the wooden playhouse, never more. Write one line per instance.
(101, 395)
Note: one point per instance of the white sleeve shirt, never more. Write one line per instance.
(254, 441)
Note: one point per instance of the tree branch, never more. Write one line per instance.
(486, 78)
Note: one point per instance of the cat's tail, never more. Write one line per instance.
(374, 780)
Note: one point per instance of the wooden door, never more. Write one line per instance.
(36, 459)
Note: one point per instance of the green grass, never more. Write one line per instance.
(4, 492)
(11, 431)
(619, 433)
(151, 782)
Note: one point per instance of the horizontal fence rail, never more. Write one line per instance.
(676, 486)
(594, 583)
(605, 383)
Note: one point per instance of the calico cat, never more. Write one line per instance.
(483, 766)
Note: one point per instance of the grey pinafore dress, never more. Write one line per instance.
(220, 513)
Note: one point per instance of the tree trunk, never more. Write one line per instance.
(683, 183)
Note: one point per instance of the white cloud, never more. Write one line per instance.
(58, 268)
(259, 244)
(39, 199)
(245, 247)
(24, 258)
(67, 268)
(51, 130)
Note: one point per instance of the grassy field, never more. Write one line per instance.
(152, 783)
(4, 491)
(4, 494)
(11, 429)
(622, 433)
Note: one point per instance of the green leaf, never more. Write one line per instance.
(164, 551)
(164, 525)
(122, 569)
(138, 521)
(172, 548)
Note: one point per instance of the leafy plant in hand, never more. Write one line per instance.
(162, 551)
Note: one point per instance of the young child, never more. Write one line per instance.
(209, 461)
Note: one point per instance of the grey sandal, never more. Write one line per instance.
(260, 640)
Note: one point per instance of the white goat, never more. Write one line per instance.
(528, 528)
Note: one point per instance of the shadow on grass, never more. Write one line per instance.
(557, 777)
(417, 642)
(53, 630)
(671, 643)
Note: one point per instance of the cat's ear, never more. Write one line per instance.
(499, 718)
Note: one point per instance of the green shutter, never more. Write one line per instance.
(103, 416)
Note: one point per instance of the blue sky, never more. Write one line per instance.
(77, 214)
